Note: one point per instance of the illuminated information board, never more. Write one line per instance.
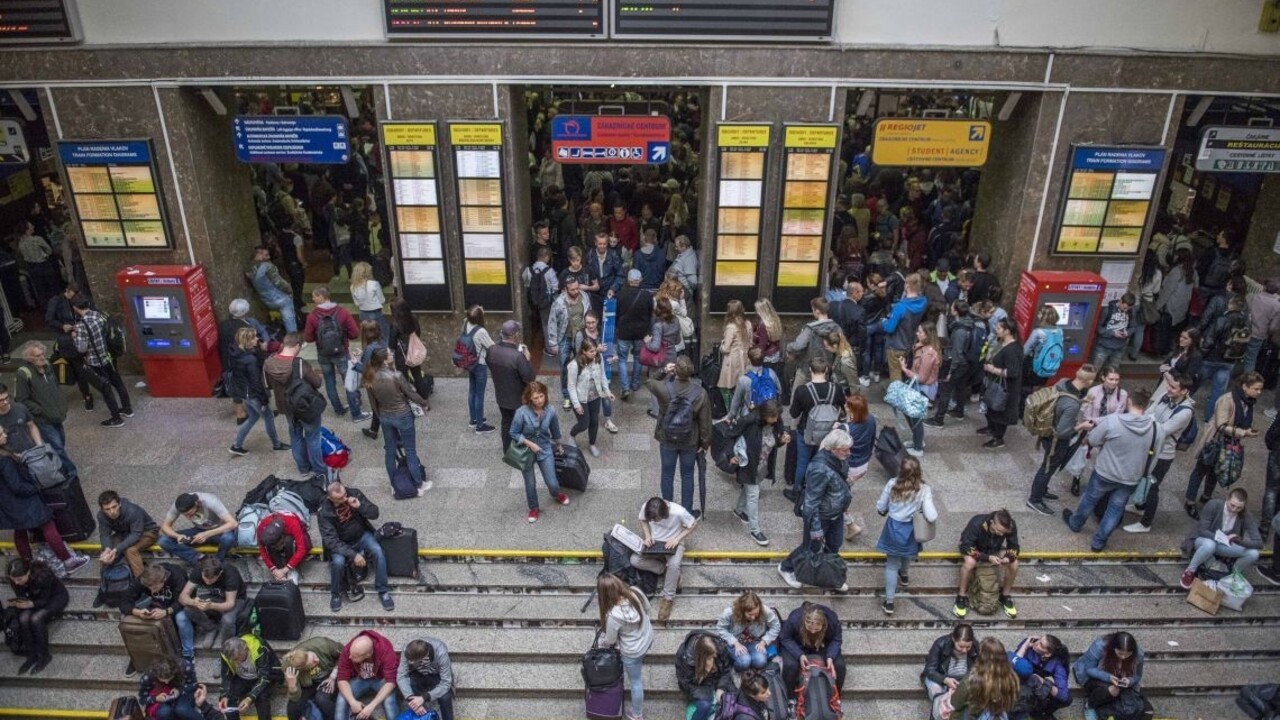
(806, 191)
(115, 190)
(477, 164)
(743, 151)
(413, 178)
(1107, 200)
(534, 18)
(725, 19)
(38, 21)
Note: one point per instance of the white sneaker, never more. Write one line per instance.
(843, 588)
(424, 487)
(875, 377)
(1270, 413)
(865, 381)
(595, 451)
(608, 425)
(913, 452)
(1136, 528)
(789, 578)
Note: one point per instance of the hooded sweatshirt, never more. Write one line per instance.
(1125, 440)
(629, 628)
(384, 663)
(340, 315)
(904, 318)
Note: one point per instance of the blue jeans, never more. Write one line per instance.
(687, 458)
(629, 351)
(288, 313)
(872, 356)
(226, 541)
(368, 545)
(804, 453)
(335, 372)
(188, 619)
(701, 709)
(546, 463)
(361, 688)
(832, 536)
(304, 441)
(184, 708)
(254, 409)
(398, 430)
(893, 564)
(1220, 372)
(478, 376)
(56, 435)
(566, 354)
(754, 658)
(1251, 354)
(633, 668)
(1206, 548)
(1098, 488)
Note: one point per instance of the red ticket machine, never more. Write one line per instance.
(171, 327)
(1077, 296)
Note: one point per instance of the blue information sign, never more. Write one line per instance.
(1120, 159)
(104, 152)
(316, 139)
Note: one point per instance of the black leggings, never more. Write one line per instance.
(997, 428)
(34, 626)
(589, 420)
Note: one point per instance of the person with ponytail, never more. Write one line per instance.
(624, 617)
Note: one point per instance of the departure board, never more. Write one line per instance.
(809, 155)
(411, 151)
(744, 152)
(1109, 192)
(725, 19)
(38, 21)
(113, 185)
(477, 163)
(461, 18)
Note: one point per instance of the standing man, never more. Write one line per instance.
(1126, 445)
(605, 266)
(542, 287)
(1264, 320)
(683, 428)
(624, 227)
(808, 344)
(634, 322)
(510, 370)
(331, 327)
(1115, 325)
(37, 389)
(62, 319)
(805, 404)
(1067, 426)
(304, 432)
(904, 317)
(273, 290)
(963, 348)
(90, 335)
(346, 529)
(124, 530)
(1173, 414)
(568, 317)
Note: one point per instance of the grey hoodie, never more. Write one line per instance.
(629, 628)
(1125, 440)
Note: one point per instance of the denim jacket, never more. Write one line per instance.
(527, 426)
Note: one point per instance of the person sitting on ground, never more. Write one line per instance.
(165, 690)
(283, 544)
(154, 595)
(749, 628)
(1041, 663)
(811, 634)
(950, 660)
(124, 530)
(666, 525)
(367, 666)
(311, 677)
(210, 521)
(346, 529)
(40, 597)
(990, 538)
(756, 385)
(1110, 672)
(991, 688)
(762, 434)
(247, 664)
(826, 497)
(704, 671)
(213, 600)
(1220, 520)
(425, 677)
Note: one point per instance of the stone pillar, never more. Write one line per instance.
(1259, 254)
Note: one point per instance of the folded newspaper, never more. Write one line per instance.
(628, 538)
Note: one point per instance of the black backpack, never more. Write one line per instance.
(330, 340)
(113, 332)
(678, 420)
(305, 402)
(1235, 339)
(539, 294)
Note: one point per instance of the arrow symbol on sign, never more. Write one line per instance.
(659, 153)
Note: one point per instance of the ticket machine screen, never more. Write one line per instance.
(159, 309)
(1071, 316)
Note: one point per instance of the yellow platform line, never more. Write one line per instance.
(102, 714)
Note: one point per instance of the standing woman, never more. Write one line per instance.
(537, 429)
(40, 597)
(1185, 360)
(768, 337)
(1046, 326)
(403, 326)
(1175, 297)
(249, 387)
(992, 686)
(1233, 417)
(367, 294)
(733, 348)
(591, 331)
(389, 397)
(624, 619)
(844, 363)
(673, 290)
(25, 513)
(587, 390)
(1004, 365)
(1149, 285)
(1109, 669)
(901, 499)
(665, 331)
(861, 426)
(478, 375)
(926, 359)
(762, 434)
(371, 338)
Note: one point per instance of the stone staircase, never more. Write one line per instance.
(516, 629)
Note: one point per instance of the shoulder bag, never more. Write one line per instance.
(923, 529)
(518, 456)
(995, 394)
(1139, 496)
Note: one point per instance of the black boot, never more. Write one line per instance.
(1075, 486)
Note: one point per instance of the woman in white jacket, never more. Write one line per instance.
(624, 615)
(586, 390)
(901, 499)
(367, 294)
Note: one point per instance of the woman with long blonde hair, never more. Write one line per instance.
(992, 686)
(768, 337)
(624, 617)
(749, 627)
(733, 348)
(815, 630)
(367, 294)
(673, 290)
(902, 497)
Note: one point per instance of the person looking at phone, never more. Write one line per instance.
(210, 522)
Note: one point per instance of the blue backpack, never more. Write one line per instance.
(1049, 355)
(763, 388)
(977, 340)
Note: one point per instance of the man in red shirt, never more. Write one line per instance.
(331, 327)
(624, 227)
(283, 545)
(367, 665)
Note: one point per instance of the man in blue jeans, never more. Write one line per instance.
(331, 327)
(818, 391)
(1127, 444)
(304, 435)
(346, 529)
(1221, 354)
(683, 428)
(634, 321)
(210, 522)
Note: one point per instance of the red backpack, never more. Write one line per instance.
(465, 356)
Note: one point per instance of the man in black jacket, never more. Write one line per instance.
(153, 596)
(990, 538)
(511, 371)
(850, 315)
(346, 529)
(635, 320)
(61, 318)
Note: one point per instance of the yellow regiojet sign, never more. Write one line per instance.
(811, 136)
(410, 134)
(475, 134)
(743, 136)
(903, 142)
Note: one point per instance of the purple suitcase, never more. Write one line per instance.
(605, 704)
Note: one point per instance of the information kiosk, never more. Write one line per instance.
(171, 327)
(1077, 296)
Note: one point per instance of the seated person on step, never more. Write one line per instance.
(1110, 672)
(665, 525)
(704, 671)
(346, 529)
(247, 663)
(749, 628)
(1041, 663)
(950, 660)
(811, 634)
(991, 539)
(311, 676)
(283, 545)
(154, 596)
(213, 600)
(40, 597)
(367, 668)
(165, 690)
(210, 522)
(125, 530)
(1223, 520)
(425, 677)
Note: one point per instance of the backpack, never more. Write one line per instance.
(248, 519)
(678, 420)
(821, 418)
(465, 356)
(261, 492)
(977, 341)
(113, 334)
(286, 500)
(763, 388)
(617, 562)
(115, 584)
(817, 697)
(1048, 356)
(1235, 339)
(730, 708)
(984, 591)
(539, 291)
(1037, 416)
(330, 340)
(1190, 433)
(305, 402)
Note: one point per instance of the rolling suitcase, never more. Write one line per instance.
(400, 547)
(572, 470)
(125, 707)
(889, 451)
(602, 679)
(280, 611)
(149, 640)
(71, 513)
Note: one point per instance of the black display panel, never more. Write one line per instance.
(725, 19)
(533, 18)
(38, 21)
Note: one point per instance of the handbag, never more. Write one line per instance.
(996, 395)
(923, 529)
(906, 398)
(1229, 464)
(1139, 495)
(352, 380)
(820, 568)
(415, 352)
(686, 326)
(1208, 455)
(649, 358)
(518, 456)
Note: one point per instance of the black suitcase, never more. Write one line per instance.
(889, 451)
(76, 523)
(792, 460)
(572, 470)
(280, 611)
(401, 552)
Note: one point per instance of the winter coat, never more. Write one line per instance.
(733, 353)
(720, 678)
(23, 508)
(1175, 295)
(749, 428)
(826, 493)
(338, 537)
(792, 628)
(246, 376)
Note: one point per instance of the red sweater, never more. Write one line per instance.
(384, 663)
(293, 528)
(340, 314)
(627, 231)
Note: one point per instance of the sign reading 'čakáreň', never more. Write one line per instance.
(1239, 149)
